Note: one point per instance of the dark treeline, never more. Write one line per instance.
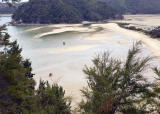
(6, 8)
(135, 6)
(76, 11)
(17, 86)
(64, 11)
(154, 33)
(114, 86)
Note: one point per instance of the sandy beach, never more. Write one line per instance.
(43, 45)
(5, 15)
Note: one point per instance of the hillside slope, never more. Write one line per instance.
(64, 11)
(135, 6)
(5, 9)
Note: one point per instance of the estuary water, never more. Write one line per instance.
(45, 47)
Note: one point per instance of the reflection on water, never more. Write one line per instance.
(43, 45)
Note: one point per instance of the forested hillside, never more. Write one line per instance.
(8, 8)
(135, 6)
(75, 11)
(64, 11)
(114, 86)
(4, 9)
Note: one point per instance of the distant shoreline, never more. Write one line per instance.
(6, 15)
(39, 24)
(25, 24)
(154, 33)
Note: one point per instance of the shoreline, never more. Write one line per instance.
(6, 15)
(153, 33)
(24, 24)
(39, 24)
(150, 42)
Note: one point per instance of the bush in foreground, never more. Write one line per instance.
(116, 86)
(17, 92)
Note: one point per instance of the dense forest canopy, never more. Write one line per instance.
(114, 86)
(76, 11)
(4, 9)
(64, 11)
(135, 6)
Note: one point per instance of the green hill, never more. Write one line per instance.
(64, 11)
(135, 6)
(7, 9)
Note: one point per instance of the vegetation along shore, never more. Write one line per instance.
(154, 33)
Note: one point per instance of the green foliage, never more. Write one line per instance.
(135, 6)
(64, 11)
(17, 92)
(28, 66)
(9, 6)
(51, 99)
(155, 33)
(115, 86)
(15, 87)
(153, 97)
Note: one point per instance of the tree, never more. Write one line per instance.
(156, 99)
(153, 97)
(17, 92)
(64, 11)
(116, 86)
(51, 99)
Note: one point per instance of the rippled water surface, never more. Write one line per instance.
(43, 45)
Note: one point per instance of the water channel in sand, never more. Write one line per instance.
(43, 45)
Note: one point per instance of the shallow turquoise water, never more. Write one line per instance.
(43, 45)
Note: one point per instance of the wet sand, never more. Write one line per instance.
(112, 38)
(5, 15)
(43, 45)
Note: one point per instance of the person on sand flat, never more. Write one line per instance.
(64, 43)
(50, 74)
